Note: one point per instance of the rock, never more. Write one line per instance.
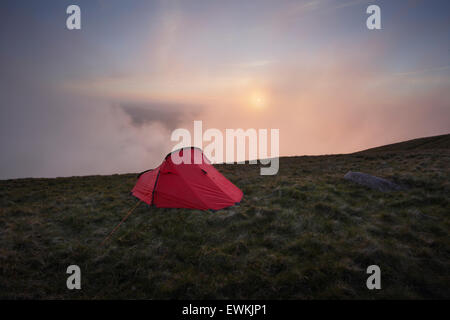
(371, 181)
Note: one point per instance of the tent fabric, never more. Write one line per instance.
(186, 185)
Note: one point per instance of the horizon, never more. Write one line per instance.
(224, 163)
(104, 99)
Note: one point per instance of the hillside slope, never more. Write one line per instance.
(305, 233)
(428, 143)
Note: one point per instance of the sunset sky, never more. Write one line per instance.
(105, 99)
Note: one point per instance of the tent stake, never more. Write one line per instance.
(125, 218)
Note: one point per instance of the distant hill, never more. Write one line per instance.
(435, 142)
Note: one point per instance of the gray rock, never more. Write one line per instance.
(371, 181)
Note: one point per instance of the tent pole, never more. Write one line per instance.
(125, 218)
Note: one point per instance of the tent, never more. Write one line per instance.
(192, 184)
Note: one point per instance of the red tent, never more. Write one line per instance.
(187, 185)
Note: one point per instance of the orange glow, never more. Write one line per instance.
(258, 100)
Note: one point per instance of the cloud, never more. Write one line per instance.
(254, 64)
(345, 4)
(169, 115)
(48, 136)
(422, 71)
(100, 102)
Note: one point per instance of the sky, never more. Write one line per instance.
(105, 99)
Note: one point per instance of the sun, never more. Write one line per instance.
(258, 100)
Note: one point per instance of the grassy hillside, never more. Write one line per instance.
(305, 233)
(428, 143)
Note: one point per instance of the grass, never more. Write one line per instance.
(304, 234)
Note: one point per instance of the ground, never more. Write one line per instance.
(304, 234)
